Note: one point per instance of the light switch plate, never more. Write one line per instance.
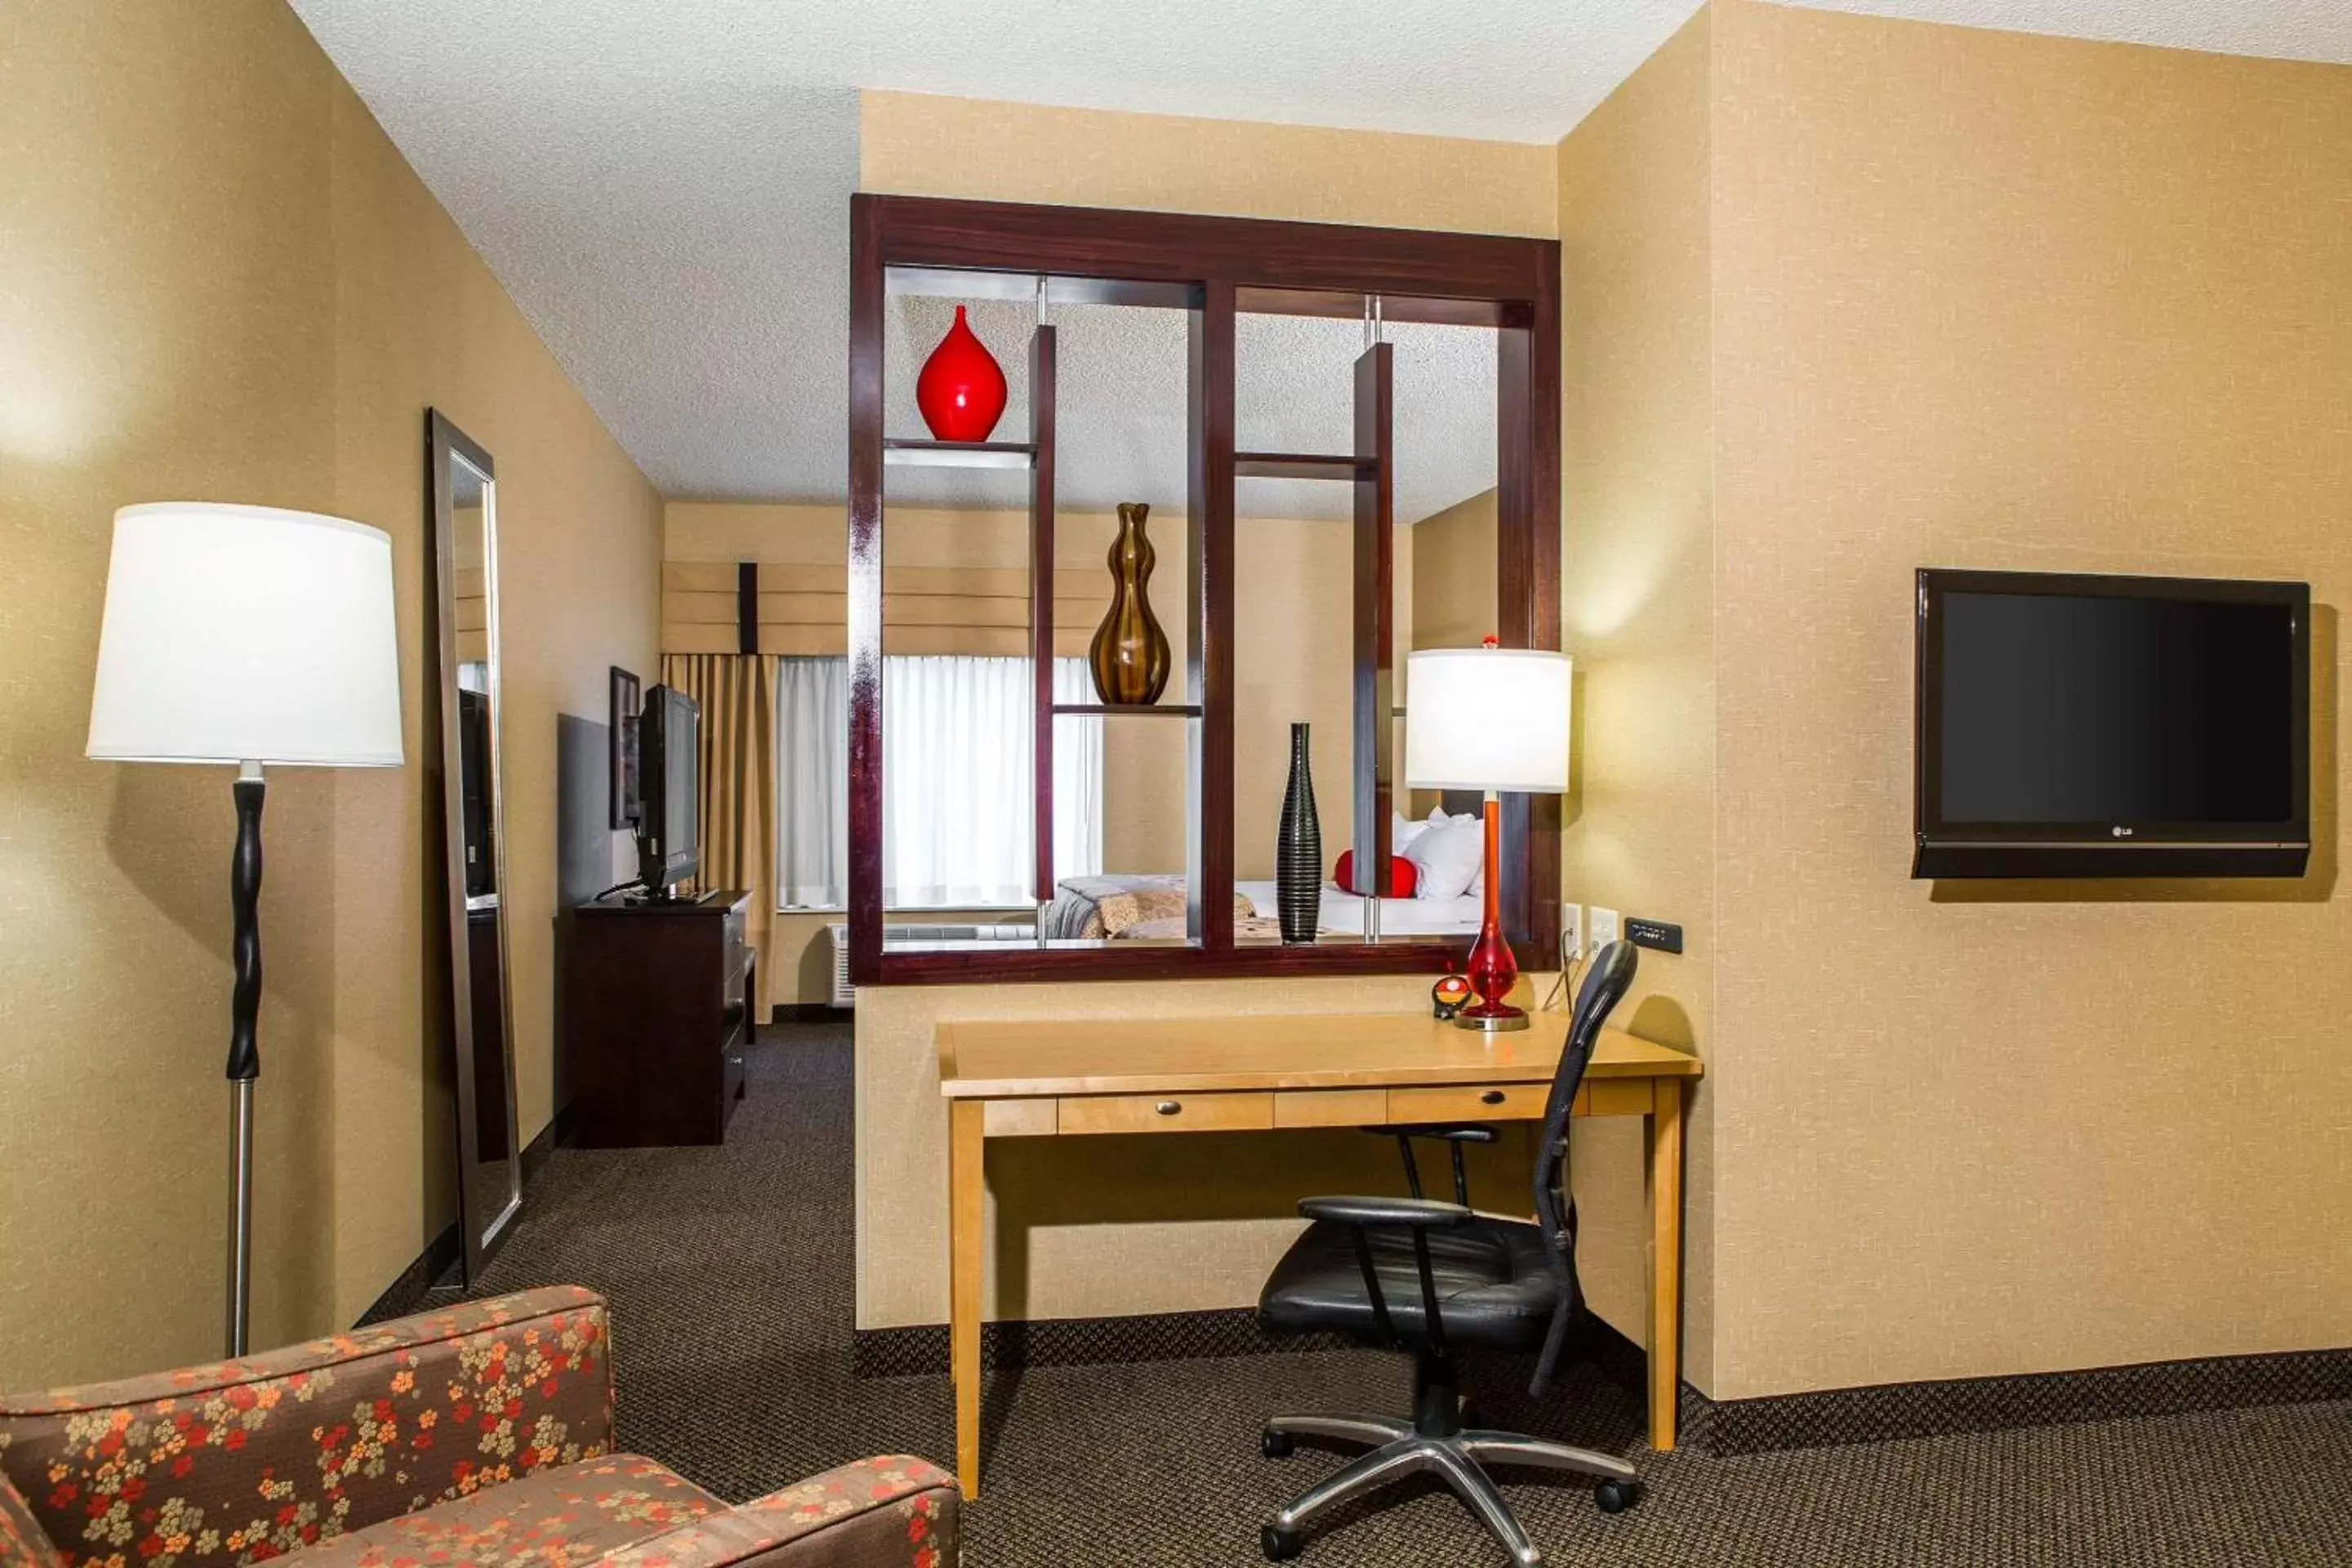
(1601, 927)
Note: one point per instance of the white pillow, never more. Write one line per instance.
(1401, 833)
(1449, 858)
(1477, 887)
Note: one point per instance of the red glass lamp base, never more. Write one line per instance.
(1491, 1018)
(1492, 971)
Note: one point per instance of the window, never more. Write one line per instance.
(957, 794)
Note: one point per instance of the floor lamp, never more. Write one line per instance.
(1495, 720)
(240, 636)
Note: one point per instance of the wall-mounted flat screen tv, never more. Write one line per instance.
(2096, 726)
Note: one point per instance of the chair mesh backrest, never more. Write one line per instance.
(1613, 973)
(1604, 986)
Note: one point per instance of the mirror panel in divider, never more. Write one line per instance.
(1036, 607)
(469, 851)
(1101, 470)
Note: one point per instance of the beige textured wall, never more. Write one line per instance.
(1988, 299)
(1636, 615)
(1119, 1225)
(168, 332)
(1450, 599)
(1296, 626)
(1846, 297)
(420, 321)
(1453, 592)
(922, 144)
(222, 284)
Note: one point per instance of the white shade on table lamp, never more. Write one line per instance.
(1491, 719)
(245, 635)
(1487, 719)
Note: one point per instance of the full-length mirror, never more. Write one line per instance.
(463, 518)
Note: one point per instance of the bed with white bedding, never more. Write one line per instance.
(1151, 909)
(1127, 907)
(1342, 912)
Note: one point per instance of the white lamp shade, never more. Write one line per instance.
(247, 633)
(1487, 719)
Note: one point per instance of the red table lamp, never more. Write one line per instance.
(1495, 720)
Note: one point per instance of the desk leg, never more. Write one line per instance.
(965, 1143)
(1667, 1257)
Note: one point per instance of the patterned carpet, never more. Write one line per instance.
(730, 1274)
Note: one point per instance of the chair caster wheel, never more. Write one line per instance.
(1274, 1445)
(1279, 1546)
(1616, 1497)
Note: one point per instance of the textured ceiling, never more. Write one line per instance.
(663, 188)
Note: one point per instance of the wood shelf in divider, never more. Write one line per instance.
(905, 452)
(1125, 710)
(1300, 465)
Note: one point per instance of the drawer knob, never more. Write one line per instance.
(1492, 1097)
(1167, 1108)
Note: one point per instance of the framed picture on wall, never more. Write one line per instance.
(627, 699)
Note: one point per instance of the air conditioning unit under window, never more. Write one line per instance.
(845, 994)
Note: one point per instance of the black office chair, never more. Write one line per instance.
(1427, 1277)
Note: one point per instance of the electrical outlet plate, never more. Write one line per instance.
(1571, 932)
(1601, 928)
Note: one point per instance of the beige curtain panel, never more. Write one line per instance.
(737, 694)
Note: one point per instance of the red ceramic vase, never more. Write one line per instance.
(962, 390)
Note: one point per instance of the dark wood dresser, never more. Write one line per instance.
(661, 1012)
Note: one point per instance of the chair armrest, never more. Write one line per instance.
(1421, 1213)
(1452, 1131)
(889, 1513)
(354, 1429)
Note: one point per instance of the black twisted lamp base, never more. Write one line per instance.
(244, 1046)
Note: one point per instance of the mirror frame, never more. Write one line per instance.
(484, 1218)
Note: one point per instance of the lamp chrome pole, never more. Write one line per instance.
(244, 1049)
(240, 1218)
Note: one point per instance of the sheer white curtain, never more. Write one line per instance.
(1077, 776)
(811, 782)
(957, 764)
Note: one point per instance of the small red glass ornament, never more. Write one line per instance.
(1448, 994)
(961, 388)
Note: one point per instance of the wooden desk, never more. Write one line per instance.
(1066, 1079)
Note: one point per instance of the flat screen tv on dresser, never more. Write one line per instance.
(2101, 726)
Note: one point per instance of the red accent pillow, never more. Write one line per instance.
(1402, 874)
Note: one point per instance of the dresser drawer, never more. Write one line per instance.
(1167, 1113)
(1469, 1103)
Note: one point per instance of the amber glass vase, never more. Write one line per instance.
(1129, 653)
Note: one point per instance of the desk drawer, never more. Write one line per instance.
(1330, 1108)
(1167, 1113)
(1469, 1103)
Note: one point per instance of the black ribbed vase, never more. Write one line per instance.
(1299, 849)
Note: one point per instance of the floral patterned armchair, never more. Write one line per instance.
(477, 1437)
